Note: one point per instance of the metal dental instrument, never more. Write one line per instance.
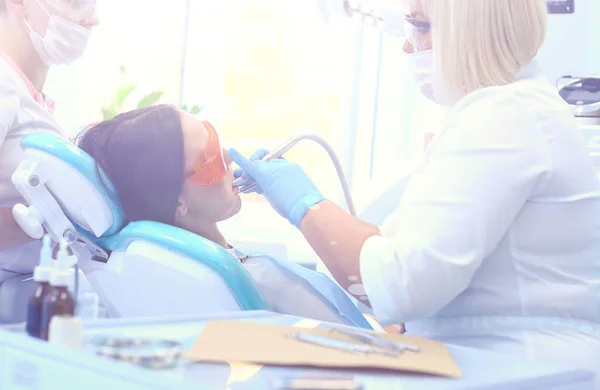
(279, 151)
(341, 345)
(150, 353)
(375, 341)
(317, 384)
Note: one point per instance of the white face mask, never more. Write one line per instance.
(63, 43)
(423, 72)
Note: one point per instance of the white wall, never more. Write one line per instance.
(573, 42)
(147, 37)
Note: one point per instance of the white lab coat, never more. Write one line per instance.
(495, 243)
(20, 115)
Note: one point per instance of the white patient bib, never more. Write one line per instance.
(289, 288)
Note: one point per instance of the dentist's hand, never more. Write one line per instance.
(285, 185)
(243, 178)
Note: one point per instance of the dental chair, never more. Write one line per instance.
(142, 269)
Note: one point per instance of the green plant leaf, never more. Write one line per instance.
(150, 99)
(192, 110)
(109, 113)
(122, 94)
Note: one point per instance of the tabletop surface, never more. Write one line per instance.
(481, 370)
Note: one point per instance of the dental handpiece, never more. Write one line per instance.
(280, 150)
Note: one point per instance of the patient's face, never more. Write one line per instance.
(208, 203)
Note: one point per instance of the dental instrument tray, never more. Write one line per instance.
(149, 353)
(344, 348)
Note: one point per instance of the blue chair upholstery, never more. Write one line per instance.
(199, 250)
(83, 163)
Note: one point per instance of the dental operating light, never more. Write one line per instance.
(391, 20)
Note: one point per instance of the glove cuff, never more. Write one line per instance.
(301, 207)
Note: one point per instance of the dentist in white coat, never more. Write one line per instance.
(496, 242)
(34, 36)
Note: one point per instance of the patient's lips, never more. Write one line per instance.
(235, 189)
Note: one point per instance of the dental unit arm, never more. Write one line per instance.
(390, 19)
(283, 148)
(53, 189)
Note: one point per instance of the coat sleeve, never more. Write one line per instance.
(9, 106)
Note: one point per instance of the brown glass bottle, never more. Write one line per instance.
(42, 275)
(58, 302)
(34, 309)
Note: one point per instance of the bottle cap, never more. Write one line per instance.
(60, 278)
(61, 275)
(43, 272)
(66, 332)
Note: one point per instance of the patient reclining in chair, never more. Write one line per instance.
(168, 167)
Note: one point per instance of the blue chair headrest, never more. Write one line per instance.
(85, 164)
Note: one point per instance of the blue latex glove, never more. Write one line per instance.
(285, 185)
(246, 179)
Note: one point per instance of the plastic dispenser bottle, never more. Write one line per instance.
(41, 274)
(59, 301)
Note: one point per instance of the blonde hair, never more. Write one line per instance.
(425, 5)
(483, 43)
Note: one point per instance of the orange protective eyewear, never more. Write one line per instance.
(212, 168)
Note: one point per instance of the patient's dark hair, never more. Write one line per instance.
(142, 154)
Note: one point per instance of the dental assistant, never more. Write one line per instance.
(34, 36)
(495, 243)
